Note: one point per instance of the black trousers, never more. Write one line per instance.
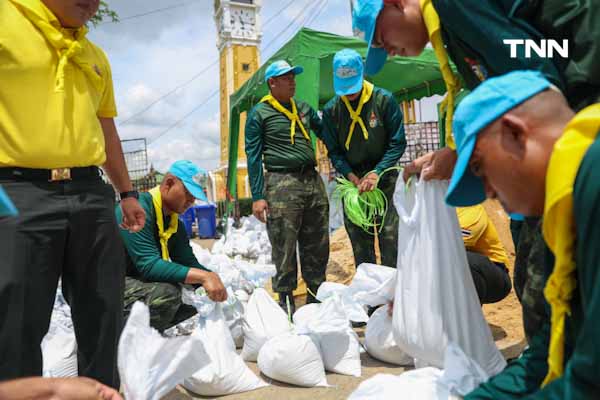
(67, 230)
(491, 280)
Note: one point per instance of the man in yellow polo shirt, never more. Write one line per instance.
(485, 254)
(56, 129)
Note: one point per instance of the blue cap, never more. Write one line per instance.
(489, 101)
(7, 208)
(347, 72)
(281, 67)
(189, 173)
(364, 20)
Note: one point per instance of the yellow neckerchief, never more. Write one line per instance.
(367, 90)
(434, 29)
(559, 226)
(162, 235)
(68, 49)
(292, 116)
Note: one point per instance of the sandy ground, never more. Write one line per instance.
(504, 318)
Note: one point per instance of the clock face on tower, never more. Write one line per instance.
(243, 23)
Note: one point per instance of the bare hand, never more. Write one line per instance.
(438, 164)
(260, 209)
(354, 179)
(214, 287)
(390, 309)
(368, 182)
(134, 216)
(83, 389)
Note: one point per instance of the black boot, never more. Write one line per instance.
(283, 303)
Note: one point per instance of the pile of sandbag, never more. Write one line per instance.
(249, 241)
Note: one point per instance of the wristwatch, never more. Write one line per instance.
(131, 193)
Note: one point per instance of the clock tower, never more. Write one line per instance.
(238, 40)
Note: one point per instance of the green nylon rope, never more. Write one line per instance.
(363, 209)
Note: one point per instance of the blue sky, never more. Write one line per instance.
(154, 54)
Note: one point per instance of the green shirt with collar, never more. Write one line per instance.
(523, 377)
(144, 259)
(474, 30)
(268, 141)
(384, 122)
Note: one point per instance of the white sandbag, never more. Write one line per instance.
(306, 313)
(373, 284)
(293, 359)
(419, 384)
(338, 343)
(150, 366)
(353, 309)
(263, 320)
(226, 373)
(435, 299)
(379, 339)
(59, 353)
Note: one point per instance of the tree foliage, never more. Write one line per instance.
(104, 14)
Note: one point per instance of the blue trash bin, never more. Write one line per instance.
(187, 218)
(206, 218)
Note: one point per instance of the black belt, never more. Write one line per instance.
(298, 170)
(50, 175)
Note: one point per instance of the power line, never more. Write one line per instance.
(216, 92)
(150, 12)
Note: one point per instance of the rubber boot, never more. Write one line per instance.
(283, 303)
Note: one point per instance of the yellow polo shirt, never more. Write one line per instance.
(479, 233)
(43, 124)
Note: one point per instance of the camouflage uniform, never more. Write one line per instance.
(162, 298)
(363, 243)
(530, 275)
(298, 213)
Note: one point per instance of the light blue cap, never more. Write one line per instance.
(7, 208)
(281, 67)
(489, 101)
(189, 173)
(347, 72)
(364, 20)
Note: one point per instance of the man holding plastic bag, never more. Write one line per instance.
(364, 135)
(160, 256)
(520, 119)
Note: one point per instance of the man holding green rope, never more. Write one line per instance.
(364, 135)
(291, 198)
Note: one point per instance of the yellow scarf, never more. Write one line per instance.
(162, 235)
(68, 49)
(292, 116)
(559, 226)
(432, 22)
(355, 115)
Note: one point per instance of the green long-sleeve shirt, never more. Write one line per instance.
(267, 139)
(144, 253)
(522, 378)
(474, 30)
(386, 143)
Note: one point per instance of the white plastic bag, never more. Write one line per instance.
(294, 359)
(150, 366)
(379, 339)
(227, 373)
(59, 346)
(435, 300)
(353, 309)
(263, 320)
(373, 284)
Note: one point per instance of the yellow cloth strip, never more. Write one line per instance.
(67, 48)
(559, 226)
(367, 91)
(292, 116)
(432, 22)
(173, 223)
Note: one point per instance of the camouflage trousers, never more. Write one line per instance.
(298, 218)
(363, 243)
(163, 300)
(530, 275)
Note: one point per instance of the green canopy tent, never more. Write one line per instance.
(408, 78)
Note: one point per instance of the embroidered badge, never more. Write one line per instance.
(478, 69)
(373, 121)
